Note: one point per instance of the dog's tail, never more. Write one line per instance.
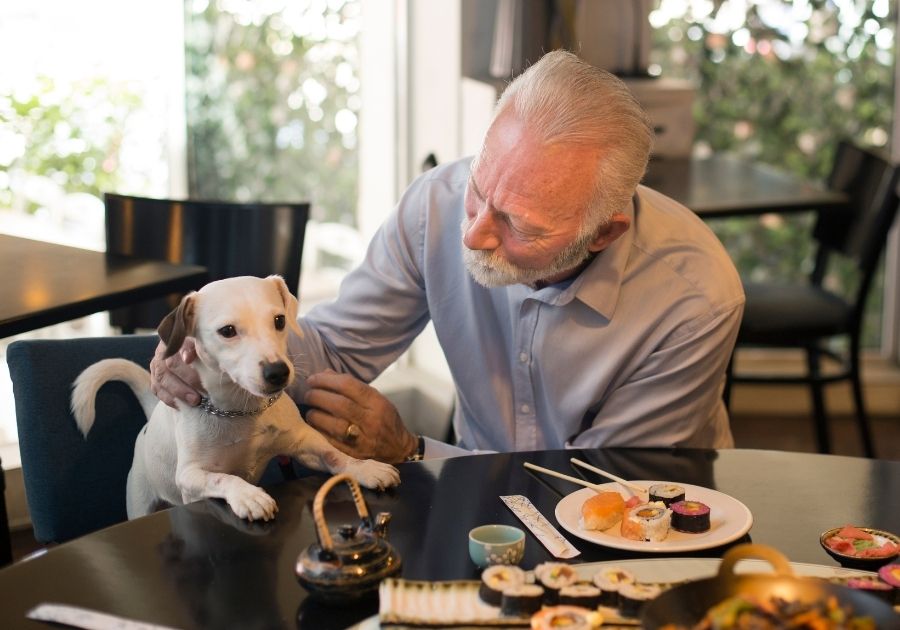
(89, 382)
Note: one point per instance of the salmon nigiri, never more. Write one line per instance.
(603, 510)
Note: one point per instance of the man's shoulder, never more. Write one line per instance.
(684, 248)
(454, 173)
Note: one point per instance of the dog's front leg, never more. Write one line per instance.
(246, 500)
(313, 451)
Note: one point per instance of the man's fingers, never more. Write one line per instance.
(345, 384)
(171, 379)
(325, 423)
(337, 405)
(333, 429)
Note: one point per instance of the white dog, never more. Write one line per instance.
(220, 448)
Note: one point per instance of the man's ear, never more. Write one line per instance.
(178, 324)
(291, 305)
(617, 225)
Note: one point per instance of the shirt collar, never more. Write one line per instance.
(599, 284)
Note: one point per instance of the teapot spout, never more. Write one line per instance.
(381, 524)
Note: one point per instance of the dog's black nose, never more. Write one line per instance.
(276, 373)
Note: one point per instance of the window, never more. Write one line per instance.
(251, 100)
(783, 82)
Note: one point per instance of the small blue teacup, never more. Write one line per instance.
(496, 544)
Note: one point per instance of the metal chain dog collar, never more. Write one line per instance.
(211, 409)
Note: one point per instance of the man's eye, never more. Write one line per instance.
(227, 331)
(279, 322)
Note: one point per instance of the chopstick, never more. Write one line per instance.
(627, 484)
(580, 482)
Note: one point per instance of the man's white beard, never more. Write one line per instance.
(490, 269)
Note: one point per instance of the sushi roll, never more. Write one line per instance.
(647, 521)
(632, 598)
(890, 574)
(554, 576)
(496, 579)
(586, 595)
(570, 617)
(602, 511)
(882, 591)
(521, 601)
(609, 581)
(668, 493)
(690, 516)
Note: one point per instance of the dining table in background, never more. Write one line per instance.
(45, 283)
(199, 566)
(727, 185)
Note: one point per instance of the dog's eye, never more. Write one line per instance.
(279, 322)
(227, 331)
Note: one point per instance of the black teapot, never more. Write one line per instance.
(348, 563)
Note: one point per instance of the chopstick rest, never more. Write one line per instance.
(538, 525)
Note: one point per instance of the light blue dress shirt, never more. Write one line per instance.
(631, 352)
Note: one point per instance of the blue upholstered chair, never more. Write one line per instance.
(74, 485)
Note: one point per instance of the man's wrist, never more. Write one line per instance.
(416, 454)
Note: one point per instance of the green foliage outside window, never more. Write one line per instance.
(272, 103)
(782, 81)
(61, 139)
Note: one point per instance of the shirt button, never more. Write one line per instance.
(525, 408)
(523, 357)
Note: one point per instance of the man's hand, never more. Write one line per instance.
(340, 402)
(174, 378)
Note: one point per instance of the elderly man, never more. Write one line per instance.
(574, 308)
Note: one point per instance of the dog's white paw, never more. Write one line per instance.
(252, 503)
(374, 474)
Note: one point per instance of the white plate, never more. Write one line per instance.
(729, 520)
(677, 570)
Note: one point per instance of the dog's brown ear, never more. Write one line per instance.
(177, 325)
(291, 305)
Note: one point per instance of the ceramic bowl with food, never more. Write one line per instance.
(860, 547)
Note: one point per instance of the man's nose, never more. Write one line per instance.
(481, 231)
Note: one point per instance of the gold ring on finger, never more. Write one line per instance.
(351, 433)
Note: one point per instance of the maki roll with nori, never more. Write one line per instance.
(690, 516)
(496, 579)
(554, 576)
(633, 597)
(586, 595)
(668, 493)
(522, 600)
(609, 581)
(881, 590)
(569, 617)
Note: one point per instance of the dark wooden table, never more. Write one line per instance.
(724, 185)
(198, 566)
(46, 284)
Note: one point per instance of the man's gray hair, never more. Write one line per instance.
(564, 99)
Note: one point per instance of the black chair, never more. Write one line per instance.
(810, 316)
(229, 239)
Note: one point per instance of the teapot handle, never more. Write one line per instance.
(319, 514)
